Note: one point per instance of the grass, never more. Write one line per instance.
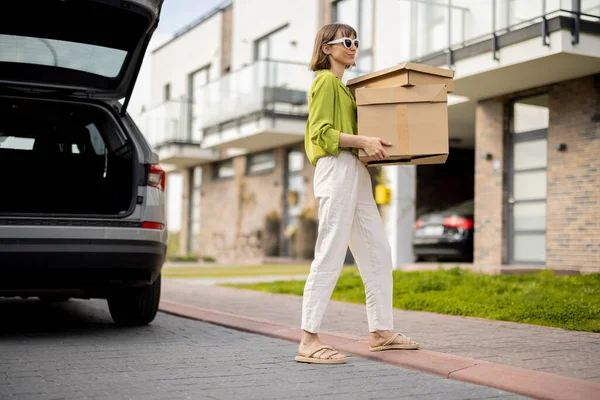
(234, 271)
(570, 302)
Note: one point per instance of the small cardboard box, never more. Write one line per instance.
(406, 74)
(414, 119)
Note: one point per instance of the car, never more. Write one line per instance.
(445, 234)
(82, 209)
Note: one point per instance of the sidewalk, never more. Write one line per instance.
(548, 350)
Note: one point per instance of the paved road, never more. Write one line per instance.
(567, 353)
(72, 351)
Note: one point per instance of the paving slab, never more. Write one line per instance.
(73, 351)
(528, 347)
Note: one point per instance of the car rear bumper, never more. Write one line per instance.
(88, 265)
(424, 247)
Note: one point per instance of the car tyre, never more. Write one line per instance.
(135, 306)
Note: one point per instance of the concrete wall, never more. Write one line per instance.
(173, 63)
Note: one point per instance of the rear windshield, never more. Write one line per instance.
(56, 128)
(103, 61)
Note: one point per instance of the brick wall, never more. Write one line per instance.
(489, 241)
(573, 204)
(237, 206)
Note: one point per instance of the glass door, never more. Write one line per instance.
(295, 193)
(198, 81)
(527, 181)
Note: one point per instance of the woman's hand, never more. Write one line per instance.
(373, 146)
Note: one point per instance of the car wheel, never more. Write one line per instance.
(135, 306)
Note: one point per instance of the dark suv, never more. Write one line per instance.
(82, 204)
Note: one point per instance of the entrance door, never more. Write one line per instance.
(527, 181)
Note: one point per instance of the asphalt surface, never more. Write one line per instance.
(73, 351)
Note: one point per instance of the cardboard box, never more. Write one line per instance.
(406, 74)
(414, 119)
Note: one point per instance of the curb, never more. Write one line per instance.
(530, 383)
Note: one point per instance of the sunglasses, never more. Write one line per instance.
(346, 41)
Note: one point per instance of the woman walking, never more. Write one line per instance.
(348, 214)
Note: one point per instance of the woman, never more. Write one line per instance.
(348, 214)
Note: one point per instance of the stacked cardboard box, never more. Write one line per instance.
(408, 106)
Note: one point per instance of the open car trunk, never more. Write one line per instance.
(63, 158)
(85, 48)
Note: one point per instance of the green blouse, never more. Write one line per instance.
(331, 110)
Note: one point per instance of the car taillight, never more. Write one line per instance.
(418, 224)
(157, 177)
(458, 222)
(152, 225)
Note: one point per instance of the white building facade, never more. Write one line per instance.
(229, 111)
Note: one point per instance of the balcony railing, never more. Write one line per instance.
(263, 88)
(431, 27)
(275, 86)
(168, 122)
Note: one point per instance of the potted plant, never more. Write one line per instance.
(272, 231)
(306, 233)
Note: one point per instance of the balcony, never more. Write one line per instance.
(169, 129)
(498, 47)
(261, 106)
(495, 47)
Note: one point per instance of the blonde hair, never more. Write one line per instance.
(320, 60)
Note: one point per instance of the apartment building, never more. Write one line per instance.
(229, 111)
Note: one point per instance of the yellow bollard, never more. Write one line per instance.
(383, 194)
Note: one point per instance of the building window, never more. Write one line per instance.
(197, 95)
(260, 163)
(273, 46)
(359, 15)
(167, 92)
(223, 170)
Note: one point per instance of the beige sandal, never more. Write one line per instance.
(316, 359)
(390, 345)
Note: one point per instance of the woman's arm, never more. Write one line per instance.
(320, 125)
(320, 116)
(373, 146)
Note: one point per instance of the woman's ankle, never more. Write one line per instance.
(380, 334)
(309, 337)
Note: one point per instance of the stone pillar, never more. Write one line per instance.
(184, 233)
(489, 241)
(399, 215)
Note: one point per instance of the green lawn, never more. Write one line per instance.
(571, 302)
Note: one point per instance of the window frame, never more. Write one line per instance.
(217, 166)
(266, 37)
(363, 52)
(250, 157)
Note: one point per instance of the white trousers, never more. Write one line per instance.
(348, 215)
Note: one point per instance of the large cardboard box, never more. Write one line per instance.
(406, 74)
(414, 119)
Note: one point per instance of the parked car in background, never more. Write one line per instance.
(446, 234)
(82, 210)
